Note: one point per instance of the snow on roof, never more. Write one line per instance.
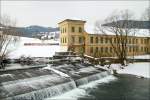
(143, 33)
(73, 19)
(90, 29)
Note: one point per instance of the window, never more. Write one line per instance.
(141, 41)
(106, 40)
(73, 29)
(80, 39)
(137, 49)
(106, 49)
(142, 49)
(136, 41)
(110, 49)
(96, 39)
(65, 40)
(130, 49)
(133, 41)
(80, 30)
(62, 40)
(96, 50)
(133, 49)
(65, 30)
(73, 39)
(91, 39)
(91, 50)
(102, 49)
(101, 39)
(145, 49)
(110, 40)
(119, 40)
(115, 40)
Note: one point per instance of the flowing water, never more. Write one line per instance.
(83, 83)
(40, 83)
(120, 87)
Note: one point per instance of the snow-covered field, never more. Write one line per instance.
(35, 51)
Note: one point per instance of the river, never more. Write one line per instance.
(122, 87)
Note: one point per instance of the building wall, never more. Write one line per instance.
(72, 35)
(148, 44)
(98, 45)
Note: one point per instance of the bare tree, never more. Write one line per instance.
(146, 15)
(120, 25)
(8, 36)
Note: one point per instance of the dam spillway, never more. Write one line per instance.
(53, 80)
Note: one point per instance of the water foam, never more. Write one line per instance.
(81, 91)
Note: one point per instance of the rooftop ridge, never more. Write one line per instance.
(72, 20)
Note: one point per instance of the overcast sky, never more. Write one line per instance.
(49, 13)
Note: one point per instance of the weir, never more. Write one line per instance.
(40, 83)
(44, 86)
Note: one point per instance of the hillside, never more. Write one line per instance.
(35, 30)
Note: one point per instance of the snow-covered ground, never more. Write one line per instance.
(141, 57)
(35, 51)
(139, 69)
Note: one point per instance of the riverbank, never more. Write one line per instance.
(140, 69)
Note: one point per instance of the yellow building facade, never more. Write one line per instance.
(74, 37)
